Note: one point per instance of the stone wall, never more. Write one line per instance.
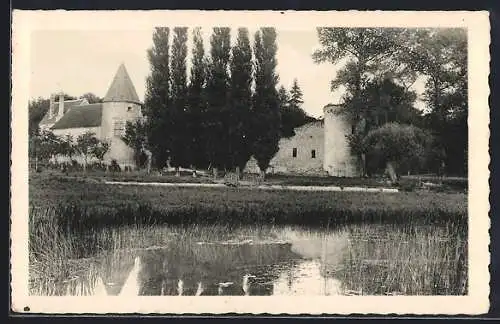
(118, 112)
(300, 154)
(338, 160)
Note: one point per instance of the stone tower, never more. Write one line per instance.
(121, 104)
(338, 160)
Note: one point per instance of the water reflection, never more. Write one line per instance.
(303, 263)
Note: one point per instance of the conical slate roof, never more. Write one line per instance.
(122, 89)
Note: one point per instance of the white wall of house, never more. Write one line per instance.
(75, 132)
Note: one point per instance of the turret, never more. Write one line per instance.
(338, 159)
(120, 105)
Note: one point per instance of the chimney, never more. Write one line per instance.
(52, 103)
(60, 113)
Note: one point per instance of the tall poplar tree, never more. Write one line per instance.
(266, 112)
(217, 97)
(180, 142)
(157, 98)
(239, 150)
(197, 103)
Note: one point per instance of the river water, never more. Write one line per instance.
(360, 260)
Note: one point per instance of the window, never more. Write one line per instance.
(313, 154)
(129, 108)
(118, 127)
(294, 152)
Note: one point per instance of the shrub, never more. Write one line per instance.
(114, 166)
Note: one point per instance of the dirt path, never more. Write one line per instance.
(261, 187)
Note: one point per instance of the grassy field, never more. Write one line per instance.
(51, 190)
(76, 217)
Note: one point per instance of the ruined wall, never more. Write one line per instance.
(338, 161)
(295, 155)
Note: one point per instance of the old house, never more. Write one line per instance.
(106, 120)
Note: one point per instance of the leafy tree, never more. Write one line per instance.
(43, 146)
(441, 56)
(37, 109)
(136, 138)
(157, 98)
(179, 136)
(67, 146)
(398, 147)
(387, 101)
(91, 98)
(364, 50)
(87, 145)
(266, 110)
(100, 149)
(239, 128)
(217, 98)
(197, 104)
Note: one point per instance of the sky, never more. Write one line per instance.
(82, 61)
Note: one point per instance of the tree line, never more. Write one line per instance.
(379, 66)
(229, 109)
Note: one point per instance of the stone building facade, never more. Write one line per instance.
(106, 120)
(317, 148)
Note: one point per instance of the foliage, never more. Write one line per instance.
(91, 98)
(100, 149)
(179, 136)
(88, 146)
(364, 50)
(387, 101)
(292, 114)
(441, 56)
(266, 110)
(197, 103)
(37, 109)
(114, 166)
(239, 119)
(296, 95)
(136, 138)
(216, 120)
(379, 65)
(45, 145)
(157, 98)
(407, 146)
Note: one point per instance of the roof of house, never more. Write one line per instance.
(81, 116)
(55, 108)
(122, 89)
